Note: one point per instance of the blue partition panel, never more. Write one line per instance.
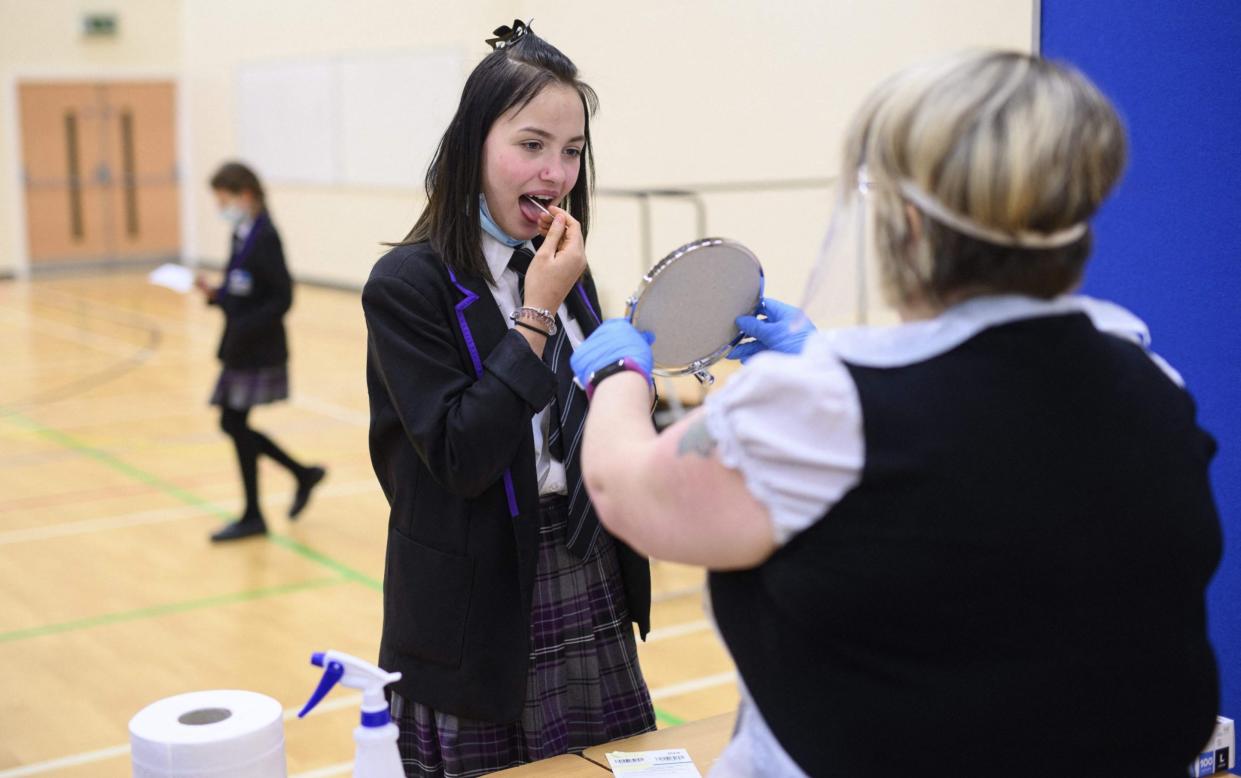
(1168, 245)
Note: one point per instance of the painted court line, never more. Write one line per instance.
(105, 344)
(342, 768)
(676, 594)
(85, 361)
(342, 701)
(194, 504)
(85, 526)
(667, 719)
(331, 410)
(678, 630)
(35, 458)
(76, 760)
(105, 458)
(154, 611)
(161, 515)
(184, 496)
(115, 752)
(698, 684)
(123, 316)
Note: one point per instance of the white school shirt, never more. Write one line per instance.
(792, 426)
(551, 473)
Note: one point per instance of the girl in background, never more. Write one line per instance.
(255, 295)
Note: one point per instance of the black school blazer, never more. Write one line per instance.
(254, 334)
(452, 393)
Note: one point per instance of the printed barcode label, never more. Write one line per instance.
(665, 763)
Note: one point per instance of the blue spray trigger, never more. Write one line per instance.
(334, 672)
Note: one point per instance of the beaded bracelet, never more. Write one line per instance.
(542, 314)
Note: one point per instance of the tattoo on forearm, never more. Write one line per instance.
(697, 440)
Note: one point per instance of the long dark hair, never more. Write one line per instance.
(235, 178)
(508, 77)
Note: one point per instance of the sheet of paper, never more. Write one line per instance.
(669, 763)
(175, 277)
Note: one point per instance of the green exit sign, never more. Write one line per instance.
(100, 25)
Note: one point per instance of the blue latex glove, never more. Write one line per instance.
(783, 328)
(613, 341)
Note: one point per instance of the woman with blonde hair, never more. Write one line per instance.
(976, 541)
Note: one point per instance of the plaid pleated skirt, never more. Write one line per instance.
(241, 389)
(584, 686)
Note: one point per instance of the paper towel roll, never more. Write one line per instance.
(228, 732)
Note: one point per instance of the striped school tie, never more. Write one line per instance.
(564, 439)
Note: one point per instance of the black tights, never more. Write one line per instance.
(250, 443)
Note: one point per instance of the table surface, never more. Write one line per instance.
(704, 740)
(564, 766)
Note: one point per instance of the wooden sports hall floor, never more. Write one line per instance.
(113, 472)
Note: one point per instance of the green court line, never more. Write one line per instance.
(668, 719)
(119, 465)
(165, 609)
(341, 569)
(186, 497)
(189, 498)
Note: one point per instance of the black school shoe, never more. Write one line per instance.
(304, 484)
(242, 528)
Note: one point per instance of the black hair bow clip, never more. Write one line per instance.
(506, 36)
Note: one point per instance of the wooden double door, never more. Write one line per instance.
(99, 165)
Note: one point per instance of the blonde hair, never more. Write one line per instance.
(1008, 145)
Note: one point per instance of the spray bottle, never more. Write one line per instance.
(376, 754)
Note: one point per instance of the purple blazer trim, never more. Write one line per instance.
(581, 291)
(470, 298)
(511, 492)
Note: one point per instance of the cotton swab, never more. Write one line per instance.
(537, 204)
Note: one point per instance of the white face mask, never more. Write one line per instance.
(233, 213)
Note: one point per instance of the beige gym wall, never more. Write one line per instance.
(692, 92)
(330, 233)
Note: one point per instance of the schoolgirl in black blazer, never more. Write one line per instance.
(507, 609)
(255, 295)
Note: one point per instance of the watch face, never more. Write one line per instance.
(619, 366)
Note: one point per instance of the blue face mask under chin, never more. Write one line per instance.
(491, 228)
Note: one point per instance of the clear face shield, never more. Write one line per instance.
(845, 283)
(842, 283)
